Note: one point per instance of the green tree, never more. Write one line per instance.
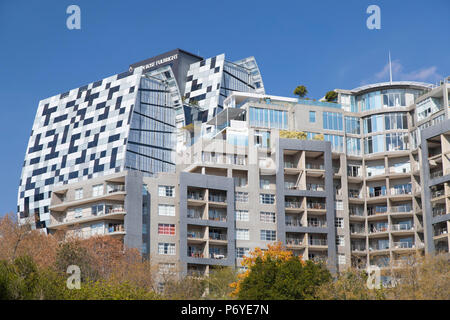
(349, 285)
(301, 91)
(187, 288)
(276, 279)
(218, 283)
(331, 96)
(72, 253)
(111, 290)
(24, 280)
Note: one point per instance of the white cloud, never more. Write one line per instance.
(427, 74)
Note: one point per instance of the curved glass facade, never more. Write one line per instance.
(386, 142)
(386, 99)
(387, 121)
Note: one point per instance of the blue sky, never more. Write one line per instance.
(321, 44)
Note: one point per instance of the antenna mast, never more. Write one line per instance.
(390, 68)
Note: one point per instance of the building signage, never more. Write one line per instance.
(157, 62)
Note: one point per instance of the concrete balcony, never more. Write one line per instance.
(117, 194)
(63, 222)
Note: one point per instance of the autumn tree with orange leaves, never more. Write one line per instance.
(277, 274)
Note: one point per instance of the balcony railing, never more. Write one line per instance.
(217, 217)
(294, 241)
(194, 235)
(377, 193)
(317, 242)
(436, 174)
(400, 191)
(402, 245)
(194, 214)
(291, 186)
(378, 229)
(437, 193)
(401, 227)
(440, 231)
(315, 187)
(376, 246)
(357, 230)
(353, 174)
(195, 196)
(316, 205)
(315, 166)
(358, 247)
(292, 204)
(294, 223)
(356, 212)
(289, 165)
(354, 194)
(115, 228)
(115, 188)
(317, 223)
(218, 255)
(217, 198)
(401, 209)
(217, 236)
(197, 254)
(439, 211)
(375, 211)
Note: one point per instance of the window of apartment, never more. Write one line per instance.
(337, 142)
(267, 217)
(241, 196)
(340, 240)
(240, 181)
(241, 252)
(339, 222)
(332, 121)
(269, 118)
(144, 248)
(144, 228)
(262, 138)
(352, 125)
(166, 268)
(264, 183)
(97, 190)
(166, 210)
(341, 259)
(166, 248)
(166, 229)
(268, 235)
(266, 198)
(375, 170)
(242, 234)
(166, 191)
(339, 205)
(242, 215)
(353, 146)
(78, 193)
(97, 209)
(78, 213)
(312, 117)
(354, 171)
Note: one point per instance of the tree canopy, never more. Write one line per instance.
(301, 91)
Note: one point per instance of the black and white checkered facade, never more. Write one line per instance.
(209, 82)
(123, 121)
(127, 121)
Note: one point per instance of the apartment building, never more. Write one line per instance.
(359, 181)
